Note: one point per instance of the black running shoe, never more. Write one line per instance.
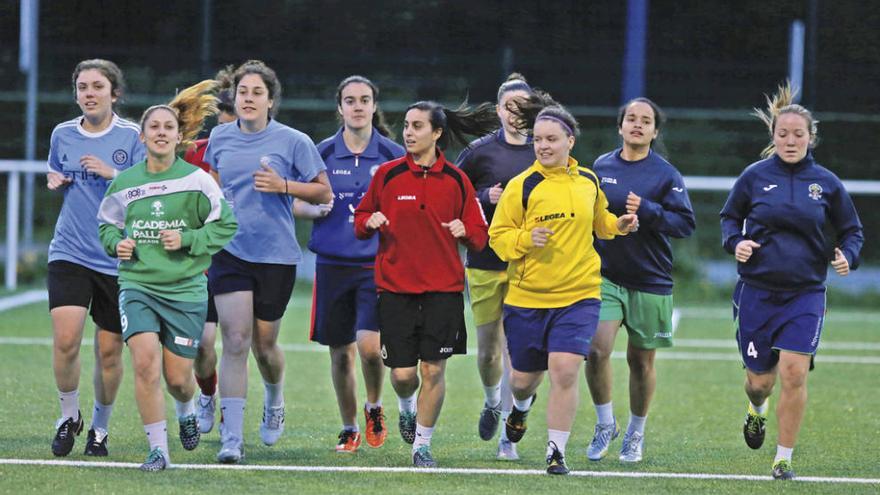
(753, 429)
(556, 461)
(516, 423)
(189, 432)
(96, 445)
(65, 435)
(489, 419)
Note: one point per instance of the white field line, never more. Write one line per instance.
(662, 354)
(471, 471)
(726, 313)
(29, 297)
(711, 313)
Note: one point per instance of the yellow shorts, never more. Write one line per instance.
(486, 291)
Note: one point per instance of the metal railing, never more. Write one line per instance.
(15, 169)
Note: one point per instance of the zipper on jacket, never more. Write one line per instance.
(424, 186)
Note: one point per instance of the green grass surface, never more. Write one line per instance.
(694, 426)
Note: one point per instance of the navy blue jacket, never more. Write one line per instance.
(333, 237)
(784, 208)
(488, 161)
(642, 260)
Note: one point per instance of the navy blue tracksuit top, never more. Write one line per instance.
(488, 161)
(784, 208)
(642, 260)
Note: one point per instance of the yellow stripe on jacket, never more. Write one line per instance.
(568, 201)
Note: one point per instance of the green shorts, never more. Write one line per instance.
(647, 317)
(486, 291)
(178, 323)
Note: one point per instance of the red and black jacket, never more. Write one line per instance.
(416, 253)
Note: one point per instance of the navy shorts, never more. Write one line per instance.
(427, 326)
(344, 301)
(771, 321)
(71, 284)
(532, 334)
(271, 284)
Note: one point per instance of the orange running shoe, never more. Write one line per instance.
(349, 441)
(376, 431)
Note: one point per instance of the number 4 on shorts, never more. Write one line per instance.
(751, 351)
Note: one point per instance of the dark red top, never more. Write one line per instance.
(195, 154)
(416, 253)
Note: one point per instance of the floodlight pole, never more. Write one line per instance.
(634, 50)
(28, 62)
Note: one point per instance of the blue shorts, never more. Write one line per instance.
(771, 321)
(344, 300)
(534, 333)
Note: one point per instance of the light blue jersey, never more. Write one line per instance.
(76, 232)
(265, 220)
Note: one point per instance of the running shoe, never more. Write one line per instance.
(96, 444)
(66, 430)
(349, 441)
(376, 432)
(603, 435)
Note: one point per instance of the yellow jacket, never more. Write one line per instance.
(568, 201)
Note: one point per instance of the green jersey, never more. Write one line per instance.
(140, 205)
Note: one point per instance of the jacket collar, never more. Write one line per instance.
(340, 150)
(570, 169)
(437, 167)
(794, 167)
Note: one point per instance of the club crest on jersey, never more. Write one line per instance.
(815, 191)
(120, 157)
(157, 209)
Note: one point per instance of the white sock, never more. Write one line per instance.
(560, 438)
(423, 436)
(101, 415)
(369, 406)
(783, 453)
(604, 413)
(184, 409)
(353, 428)
(762, 409)
(493, 394)
(232, 412)
(523, 405)
(274, 394)
(69, 404)
(157, 435)
(504, 415)
(408, 404)
(636, 423)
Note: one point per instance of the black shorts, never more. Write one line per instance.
(71, 284)
(272, 284)
(426, 326)
(212, 309)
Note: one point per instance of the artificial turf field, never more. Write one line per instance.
(695, 425)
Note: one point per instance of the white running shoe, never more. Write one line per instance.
(603, 435)
(273, 424)
(206, 407)
(631, 450)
